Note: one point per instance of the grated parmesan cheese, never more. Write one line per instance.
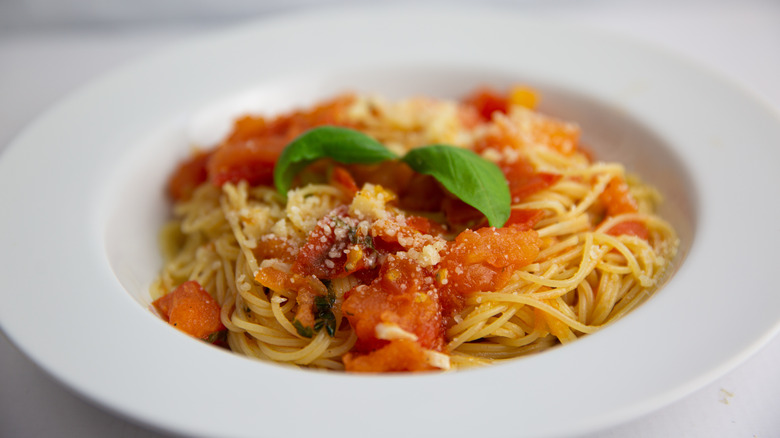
(438, 360)
(370, 202)
(391, 332)
(429, 255)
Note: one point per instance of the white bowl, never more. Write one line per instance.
(79, 227)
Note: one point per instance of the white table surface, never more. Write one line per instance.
(41, 63)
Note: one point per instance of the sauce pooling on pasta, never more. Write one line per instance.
(379, 268)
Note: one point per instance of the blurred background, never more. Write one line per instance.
(50, 48)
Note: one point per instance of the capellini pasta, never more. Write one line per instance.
(384, 267)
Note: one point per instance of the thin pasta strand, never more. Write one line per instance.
(583, 278)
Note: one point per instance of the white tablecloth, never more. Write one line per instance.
(42, 61)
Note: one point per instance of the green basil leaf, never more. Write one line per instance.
(340, 144)
(473, 179)
(302, 330)
(465, 174)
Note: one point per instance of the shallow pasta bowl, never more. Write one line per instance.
(81, 190)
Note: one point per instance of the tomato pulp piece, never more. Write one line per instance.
(191, 309)
(254, 146)
(400, 295)
(189, 174)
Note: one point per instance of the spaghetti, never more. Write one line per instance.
(378, 268)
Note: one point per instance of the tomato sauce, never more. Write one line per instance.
(617, 200)
(252, 149)
(191, 309)
(417, 265)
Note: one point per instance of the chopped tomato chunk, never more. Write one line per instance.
(188, 176)
(335, 248)
(323, 254)
(497, 247)
(399, 295)
(487, 101)
(618, 200)
(396, 356)
(253, 148)
(250, 161)
(191, 309)
(524, 180)
(483, 260)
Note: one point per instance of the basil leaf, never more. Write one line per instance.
(465, 174)
(340, 144)
(302, 330)
(473, 179)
